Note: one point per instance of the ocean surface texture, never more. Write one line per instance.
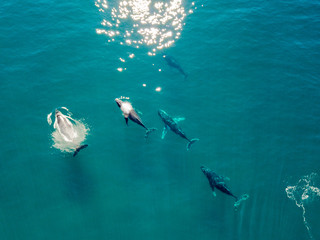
(246, 80)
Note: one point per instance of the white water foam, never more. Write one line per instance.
(69, 146)
(304, 192)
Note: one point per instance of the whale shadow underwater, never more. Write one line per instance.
(173, 63)
(79, 186)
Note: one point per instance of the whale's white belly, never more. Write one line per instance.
(65, 128)
(126, 108)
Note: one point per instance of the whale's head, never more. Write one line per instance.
(57, 113)
(205, 170)
(119, 102)
(162, 113)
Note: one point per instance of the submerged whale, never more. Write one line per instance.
(66, 129)
(217, 181)
(129, 113)
(172, 124)
(173, 63)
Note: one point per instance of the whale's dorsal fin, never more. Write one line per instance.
(178, 119)
(164, 132)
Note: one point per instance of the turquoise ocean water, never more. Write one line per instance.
(252, 97)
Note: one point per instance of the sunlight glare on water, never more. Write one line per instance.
(142, 22)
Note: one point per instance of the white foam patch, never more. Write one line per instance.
(302, 193)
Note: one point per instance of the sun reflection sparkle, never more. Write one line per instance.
(142, 22)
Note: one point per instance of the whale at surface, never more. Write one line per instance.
(69, 132)
(129, 113)
(64, 126)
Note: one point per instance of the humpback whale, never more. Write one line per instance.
(172, 124)
(173, 63)
(129, 113)
(217, 181)
(66, 129)
(64, 126)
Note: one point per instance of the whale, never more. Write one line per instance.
(64, 126)
(217, 182)
(129, 113)
(172, 124)
(172, 62)
(66, 129)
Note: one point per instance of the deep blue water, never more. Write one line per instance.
(252, 97)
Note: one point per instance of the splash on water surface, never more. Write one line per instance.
(302, 193)
(59, 142)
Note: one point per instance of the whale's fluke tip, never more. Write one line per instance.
(148, 131)
(192, 141)
(79, 148)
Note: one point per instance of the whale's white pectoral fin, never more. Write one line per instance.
(214, 193)
(164, 132)
(226, 178)
(178, 119)
(139, 112)
(68, 117)
(49, 118)
(55, 125)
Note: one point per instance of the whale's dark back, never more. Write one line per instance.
(171, 124)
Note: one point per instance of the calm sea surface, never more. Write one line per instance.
(252, 97)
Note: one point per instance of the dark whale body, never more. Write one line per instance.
(170, 123)
(172, 62)
(217, 181)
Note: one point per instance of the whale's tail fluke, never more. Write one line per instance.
(192, 141)
(148, 131)
(239, 200)
(79, 148)
(184, 74)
